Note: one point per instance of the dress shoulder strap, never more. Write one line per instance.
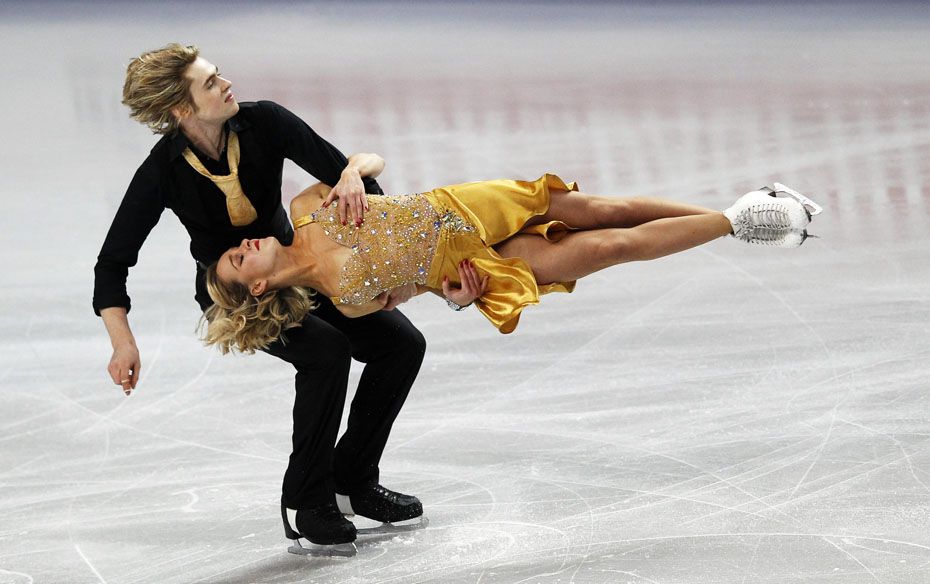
(304, 220)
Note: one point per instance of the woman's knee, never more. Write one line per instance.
(612, 212)
(618, 246)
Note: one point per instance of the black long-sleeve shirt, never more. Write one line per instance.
(268, 133)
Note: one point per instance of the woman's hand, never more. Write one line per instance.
(350, 190)
(471, 288)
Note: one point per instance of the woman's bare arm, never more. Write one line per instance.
(367, 164)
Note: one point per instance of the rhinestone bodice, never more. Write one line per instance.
(394, 246)
(422, 239)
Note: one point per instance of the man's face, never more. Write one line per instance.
(212, 97)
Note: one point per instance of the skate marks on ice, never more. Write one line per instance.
(772, 464)
(474, 548)
(729, 415)
(739, 445)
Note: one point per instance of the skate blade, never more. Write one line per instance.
(397, 527)
(812, 207)
(302, 547)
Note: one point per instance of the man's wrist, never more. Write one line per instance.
(117, 325)
(123, 341)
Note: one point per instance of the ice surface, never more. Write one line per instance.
(730, 414)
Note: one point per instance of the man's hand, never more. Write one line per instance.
(471, 288)
(350, 191)
(125, 363)
(125, 366)
(400, 295)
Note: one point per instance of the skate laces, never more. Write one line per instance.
(764, 224)
(773, 237)
(769, 216)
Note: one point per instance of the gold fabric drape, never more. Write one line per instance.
(240, 209)
(498, 209)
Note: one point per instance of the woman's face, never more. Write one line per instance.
(251, 264)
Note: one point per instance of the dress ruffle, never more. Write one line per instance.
(497, 210)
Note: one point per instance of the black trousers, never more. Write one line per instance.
(392, 350)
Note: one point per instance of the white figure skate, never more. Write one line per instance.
(809, 205)
(764, 218)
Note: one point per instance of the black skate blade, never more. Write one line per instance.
(809, 236)
(396, 527)
(302, 547)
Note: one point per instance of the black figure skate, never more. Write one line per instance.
(395, 511)
(319, 531)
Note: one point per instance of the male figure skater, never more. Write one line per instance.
(218, 168)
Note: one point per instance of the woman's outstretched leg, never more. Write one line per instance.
(584, 211)
(581, 253)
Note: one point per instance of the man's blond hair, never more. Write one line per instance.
(155, 84)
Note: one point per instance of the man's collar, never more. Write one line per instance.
(238, 123)
(177, 142)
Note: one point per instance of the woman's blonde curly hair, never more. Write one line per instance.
(239, 321)
(155, 84)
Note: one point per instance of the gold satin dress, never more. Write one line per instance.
(422, 238)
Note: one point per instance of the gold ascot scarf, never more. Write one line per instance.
(240, 209)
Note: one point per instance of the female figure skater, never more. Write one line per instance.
(498, 243)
